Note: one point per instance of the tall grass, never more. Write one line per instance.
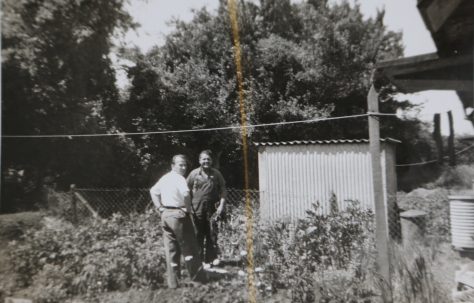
(413, 280)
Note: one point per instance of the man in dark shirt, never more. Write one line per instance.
(208, 203)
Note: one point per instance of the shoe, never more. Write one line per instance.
(216, 262)
(191, 284)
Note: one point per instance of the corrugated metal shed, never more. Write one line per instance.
(293, 175)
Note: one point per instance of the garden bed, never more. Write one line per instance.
(320, 259)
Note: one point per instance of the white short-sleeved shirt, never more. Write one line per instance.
(172, 187)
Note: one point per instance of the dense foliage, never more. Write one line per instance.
(60, 260)
(58, 79)
(321, 258)
(313, 258)
(300, 61)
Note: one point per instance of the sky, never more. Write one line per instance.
(400, 15)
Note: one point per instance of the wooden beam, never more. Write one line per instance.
(411, 85)
(381, 230)
(407, 60)
(437, 12)
(86, 204)
(423, 63)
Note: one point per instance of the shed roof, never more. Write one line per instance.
(314, 142)
(451, 25)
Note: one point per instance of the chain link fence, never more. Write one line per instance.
(101, 202)
(106, 202)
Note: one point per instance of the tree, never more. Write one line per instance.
(301, 61)
(57, 79)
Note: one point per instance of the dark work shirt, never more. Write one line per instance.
(206, 190)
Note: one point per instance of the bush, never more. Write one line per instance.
(298, 256)
(104, 255)
(459, 177)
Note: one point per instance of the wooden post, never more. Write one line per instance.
(452, 155)
(437, 137)
(381, 230)
(73, 203)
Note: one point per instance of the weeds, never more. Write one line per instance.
(321, 258)
(412, 277)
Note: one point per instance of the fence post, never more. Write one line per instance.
(381, 230)
(452, 155)
(73, 202)
(438, 138)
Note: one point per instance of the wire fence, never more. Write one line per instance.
(103, 203)
(431, 216)
(106, 202)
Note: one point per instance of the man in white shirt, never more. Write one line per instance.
(171, 195)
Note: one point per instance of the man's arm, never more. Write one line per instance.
(187, 201)
(156, 197)
(182, 186)
(190, 180)
(223, 194)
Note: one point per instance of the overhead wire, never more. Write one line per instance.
(434, 161)
(70, 136)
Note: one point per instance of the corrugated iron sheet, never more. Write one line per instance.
(310, 142)
(293, 177)
(462, 221)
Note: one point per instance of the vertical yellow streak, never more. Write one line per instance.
(243, 122)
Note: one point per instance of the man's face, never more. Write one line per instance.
(179, 166)
(205, 161)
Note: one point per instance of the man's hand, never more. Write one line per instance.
(220, 211)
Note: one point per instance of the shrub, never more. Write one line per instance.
(51, 284)
(298, 256)
(459, 177)
(104, 255)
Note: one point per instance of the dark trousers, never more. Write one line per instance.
(179, 238)
(206, 234)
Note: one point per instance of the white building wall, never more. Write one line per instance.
(293, 177)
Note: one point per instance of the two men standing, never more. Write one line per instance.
(172, 195)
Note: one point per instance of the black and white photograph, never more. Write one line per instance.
(194, 151)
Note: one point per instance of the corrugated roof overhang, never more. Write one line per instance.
(313, 142)
(451, 24)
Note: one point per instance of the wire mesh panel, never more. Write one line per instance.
(106, 202)
(237, 197)
(232, 230)
(66, 205)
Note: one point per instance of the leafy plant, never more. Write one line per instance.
(298, 256)
(104, 255)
